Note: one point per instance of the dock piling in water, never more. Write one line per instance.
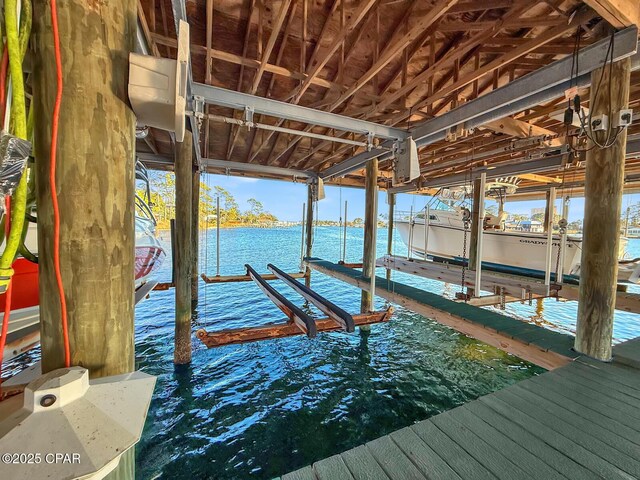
(604, 181)
(183, 247)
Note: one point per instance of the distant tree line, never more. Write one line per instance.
(163, 204)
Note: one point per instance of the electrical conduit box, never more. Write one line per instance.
(406, 165)
(158, 87)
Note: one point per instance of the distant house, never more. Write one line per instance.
(533, 226)
(633, 232)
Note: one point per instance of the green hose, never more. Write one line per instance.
(19, 117)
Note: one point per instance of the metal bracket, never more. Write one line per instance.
(370, 137)
(248, 116)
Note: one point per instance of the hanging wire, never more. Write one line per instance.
(340, 222)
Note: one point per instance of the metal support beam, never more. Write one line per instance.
(501, 170)
(527, 86)
(210, 163)
(275, 108)
(545, 84)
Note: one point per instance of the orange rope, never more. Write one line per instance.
(52, 184)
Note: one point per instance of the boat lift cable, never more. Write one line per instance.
(341, 257)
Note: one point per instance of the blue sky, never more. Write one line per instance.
(285, 199)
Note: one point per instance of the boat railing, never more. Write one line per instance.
(143, 210)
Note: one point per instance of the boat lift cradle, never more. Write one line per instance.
(298, 321)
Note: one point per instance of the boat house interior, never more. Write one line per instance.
(537, 99)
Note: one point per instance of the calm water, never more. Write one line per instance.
(260, 410)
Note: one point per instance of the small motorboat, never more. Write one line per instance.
(24, 324)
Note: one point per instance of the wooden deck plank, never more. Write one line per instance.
(587, 414)
(363, 465)
(423, 456)
(560, 442)
(395, 464)
(557, 386)
(599, 440)
(526, 460)
(486, 455)
(332, 468)
(607, 397)
(458, 459)
(592, 383)
(592, 374)
(541, 449)
(619, 373)
(628, 353)
(305, 473)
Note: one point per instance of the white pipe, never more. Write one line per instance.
(410, 242)
(344, 237)
(427, 223)
(478, 280)
(218, 236)
(372, 296)
(563, 241)
(551, 207)
(304, 209)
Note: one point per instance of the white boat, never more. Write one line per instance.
(24, 324)
(443, 235)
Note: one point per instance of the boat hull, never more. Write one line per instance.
(519, 250)
(24, 328)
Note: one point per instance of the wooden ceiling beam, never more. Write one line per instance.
(449, 60)
(393, 50)
(275, 32)
(619, 13)
(146, 32)
(520, 129)
(318, 65)
(234, 131)
(252, 63)
(252, 155)
(520, 51)
(550, 21)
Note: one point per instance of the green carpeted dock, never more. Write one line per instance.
(581, 421)
(533, 343)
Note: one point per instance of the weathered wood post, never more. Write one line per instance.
(391, 200)
(309, 232)
(184, 255)
(370, 231)
(195, 235)
(95, 185)
(95, 164)
(603, 202)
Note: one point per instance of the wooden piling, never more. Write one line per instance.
(603, 202)
(370, 230)
(95, 185)
(195, 235)
(391, 199)
(184, 255)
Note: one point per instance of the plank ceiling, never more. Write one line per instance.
(397, 62)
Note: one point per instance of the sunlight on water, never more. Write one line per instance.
(263, 409)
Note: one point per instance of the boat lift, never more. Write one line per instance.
(298, 322)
